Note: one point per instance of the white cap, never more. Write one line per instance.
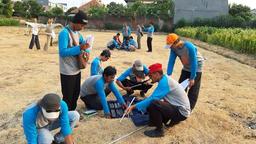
(138, 65)
(50, 115)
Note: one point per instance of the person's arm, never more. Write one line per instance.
(116, 92)
(64, 120)
(145, 70)
(123, 77)
(99, 87)
(171, 62)
(29, 126)
(160, 92)
(64, 51)
(69, 140)
(94, 67)
(192, 60)
(115, 43)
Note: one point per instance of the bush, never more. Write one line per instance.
(9, 22)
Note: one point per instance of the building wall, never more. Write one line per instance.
(191, 9)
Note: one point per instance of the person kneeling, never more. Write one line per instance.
(95, 89)
(168, 102)
(46, 115)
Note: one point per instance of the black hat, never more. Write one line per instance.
(80, 18)
(50, 102)
(106, 53)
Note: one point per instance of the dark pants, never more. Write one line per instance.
(161, 112)
(93, 101)
(34, 40)
(111, 47)
(70, 87)
(194, 90)
(51, 41)
(149, 44)
(143, 87)
(125, 38)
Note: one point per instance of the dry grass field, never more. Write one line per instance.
(225, 112)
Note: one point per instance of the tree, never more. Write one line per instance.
(240, 10)
(35, 9)
(19, 9)
(7, 8)
(57, 12)
(116, 9)
(98, 12)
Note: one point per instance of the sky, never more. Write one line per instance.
(71, 3)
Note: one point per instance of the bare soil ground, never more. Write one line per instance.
(225, 112)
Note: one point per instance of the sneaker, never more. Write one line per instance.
(155, 133)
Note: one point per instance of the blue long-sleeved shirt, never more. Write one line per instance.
(126, 32)
(129, 72)
(29, 122)
(172, 92)
(188, 57)
(150, 30)
(95, 85)
(133, 42)
(64, 40)
(99, 87)
(96, 67)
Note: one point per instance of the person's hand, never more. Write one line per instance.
(138, 79)
(191, 83)
(107, 116)
(128, 88)
(84, 46)
(124, 106)
(130, 109)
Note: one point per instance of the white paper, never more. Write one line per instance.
(89, 39)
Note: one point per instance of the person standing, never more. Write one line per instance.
(192, 62)
(168, 102)
(50, 35)
(48, 114)
(139, 34)
(126, 31)
(150, 31)
(96, 68)
(70, 74)
(35, 31)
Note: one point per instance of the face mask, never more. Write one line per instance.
(51, 115)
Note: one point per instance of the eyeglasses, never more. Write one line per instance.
(49, 111)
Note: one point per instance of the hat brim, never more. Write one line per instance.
(50, 115)
(139, 68)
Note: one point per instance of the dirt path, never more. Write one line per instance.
(225, 110)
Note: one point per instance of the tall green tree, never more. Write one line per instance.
(57, 12)
(240, 11)
(7, 8)
(97, 12)
(116, 9)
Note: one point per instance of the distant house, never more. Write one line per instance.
(47, 4)
(93, 3)
(191, 9)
